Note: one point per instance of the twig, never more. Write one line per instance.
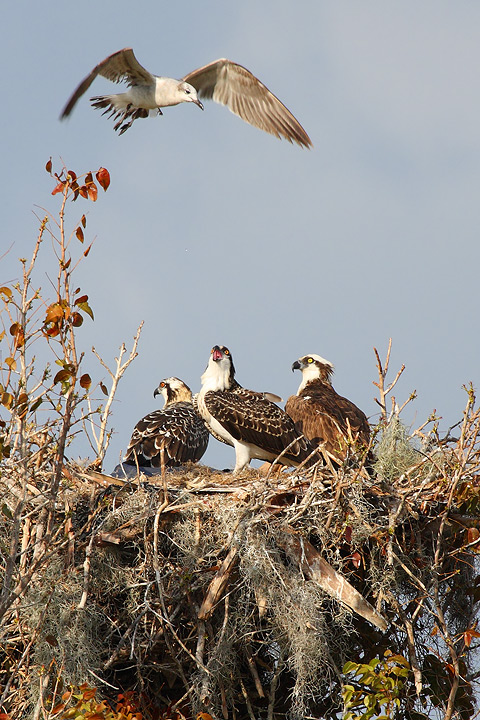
(417, 674)
(102, 444)
(86, 570)
(382, 374)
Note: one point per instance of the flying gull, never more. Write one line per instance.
(222, 80)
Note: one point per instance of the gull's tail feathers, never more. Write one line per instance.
(119, 110)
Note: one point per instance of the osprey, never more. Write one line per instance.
(222, 80)
(323, 415)
(177, 426)
(247, 420)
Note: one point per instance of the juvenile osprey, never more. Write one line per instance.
(177, 425)
(323, 415)
(247, 420)
(222, 80)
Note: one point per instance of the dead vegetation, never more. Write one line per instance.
(244, 597)
(327, 593)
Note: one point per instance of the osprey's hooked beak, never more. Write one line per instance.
(156, 392)
(197, 102)
(296, 366)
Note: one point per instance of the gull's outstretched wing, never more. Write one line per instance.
(122, 65)
(245, 95)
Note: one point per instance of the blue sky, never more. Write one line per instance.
(214, 232)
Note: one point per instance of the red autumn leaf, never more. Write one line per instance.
(85, 381)
(83, 191)
(87, 250)
(88, 694)
(468, 636)
(356, 559)
(473, 534)
(88, 178)
(48, 166)
(77, 319)
(22, 405)
(17, 331)
(103, 389)
(348, 534)
(58, 188)
(450, 669)
(92, 192)
(103, 177)
(81, 299)
(51, 640)
(57, 708)
(51, 330)
(71, 175)
(83, 220)
(54, 314)
(79, 234)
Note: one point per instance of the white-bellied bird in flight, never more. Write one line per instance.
(222, 80)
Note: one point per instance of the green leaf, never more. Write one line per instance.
(86, 308)
(35, 405)
(6, 511)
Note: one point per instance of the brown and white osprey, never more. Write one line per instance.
(177, 425)
(247, 420)
(323, 415)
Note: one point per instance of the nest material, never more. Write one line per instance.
(237, 596)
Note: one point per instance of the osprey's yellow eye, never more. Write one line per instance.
(310, 360)
(227, 352)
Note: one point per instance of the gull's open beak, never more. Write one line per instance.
(197, 102)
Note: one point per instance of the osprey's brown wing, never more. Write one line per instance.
(250, 418)
(323, 415)
(245, 95)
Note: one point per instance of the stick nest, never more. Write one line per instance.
(241, 597)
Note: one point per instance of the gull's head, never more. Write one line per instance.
(313, 367)
(220, 370)
(189, 94)
(173, 389)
